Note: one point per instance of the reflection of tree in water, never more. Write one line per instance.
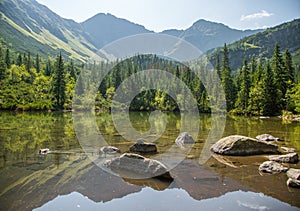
(23, 134)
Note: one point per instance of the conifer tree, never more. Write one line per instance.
(37, 63)
(19, 60)
(2, 65)
(270, 94)
(59, 84)
(243, 94)
(280, 75)
(288, 65)
(227, 81)
(7, 59)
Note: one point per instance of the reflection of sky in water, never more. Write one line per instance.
(170, 199)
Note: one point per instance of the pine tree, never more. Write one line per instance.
(7, 59)
(2, 65)
(243, 94)
(59, 84)
(270, 102)
(227, 81)
(28, 62)
(288, 65)
(48, 69)
(280, 77)
(37, 63)
(19, 60)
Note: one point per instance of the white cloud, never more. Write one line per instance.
(257, 15)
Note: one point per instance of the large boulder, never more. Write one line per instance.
(267, 137)
(288, 158)
(184, 138)
(272, 167)
(142, 146)
(293, 173)
(242, 146)
(135, 166)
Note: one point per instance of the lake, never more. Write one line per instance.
(69, 180)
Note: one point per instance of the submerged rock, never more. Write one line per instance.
(293, 183)
(267, 137)
(109, 150)
(287, 149)
(272, 167)
(293, 173)
(142, 146)
(44, 151)
(288, 158)
(242, 146)
(135, 166)
(184, 138)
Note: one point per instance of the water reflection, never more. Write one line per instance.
(171, 199)
(29, 180)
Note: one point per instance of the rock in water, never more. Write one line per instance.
(287, 149)
(267, 137)
(184, 138)
(293, 183)
(272, 167)
(288, 158)
(293, 173)
(143, 147)
(44, 151)
(109, 150)
(135, 166)
(242, 146)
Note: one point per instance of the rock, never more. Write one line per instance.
(272, 167)
(293, 183)
(293, 173)
(109, 150)
(44, 151)
(143, 147)
(288, 158)
(267, 137)
(135, 166)
(242, 146)
(287, 149)
(184, 138)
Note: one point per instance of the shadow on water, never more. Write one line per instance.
(53, 181)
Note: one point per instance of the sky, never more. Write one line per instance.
(159, 15)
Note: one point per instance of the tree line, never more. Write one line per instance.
(259, 87)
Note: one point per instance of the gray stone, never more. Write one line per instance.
(184, 138)
(135, 166)
(293, 183)
(267, 137)
(293, 173)
(287, 149)
(272, 167)
(109, 150)
(288, 158)
(242, 146)
(142, 146)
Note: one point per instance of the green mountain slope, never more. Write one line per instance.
(261, 44)
(29, 26)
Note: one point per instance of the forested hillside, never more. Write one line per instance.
(260, 45)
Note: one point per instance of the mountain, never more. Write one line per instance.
(105, 28)
(207, 35)
(26, 25)
(261, 44)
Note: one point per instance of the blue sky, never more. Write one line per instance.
(159, 15)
